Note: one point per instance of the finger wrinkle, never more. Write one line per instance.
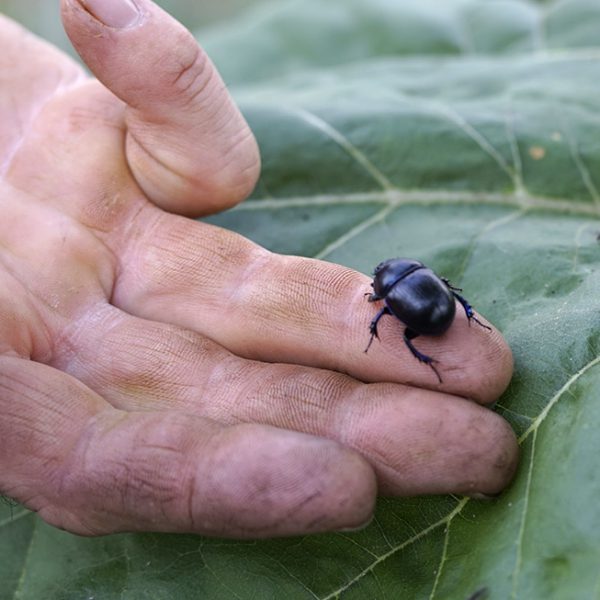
(193, 85)
(176, 247)
(25, 334)
(89, 107)
(227, 386)
(249, 289)
(301, 399)
(274, 480)
(190, 67)
(283, 310)
(420, 442)
(31, 395)
(140, 464)
(147, 364)
(241, 165)
(65, 265)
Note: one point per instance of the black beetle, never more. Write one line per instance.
(422, 300)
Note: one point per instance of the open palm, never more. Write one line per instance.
(157, 373)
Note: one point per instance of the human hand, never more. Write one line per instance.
(157, 373)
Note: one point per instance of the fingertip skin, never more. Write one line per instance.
(291, 484)
(497, 378)
(506, 453)
(427, 443)
(358, 492)
(493, 456)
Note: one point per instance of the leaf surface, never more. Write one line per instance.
(465, 134)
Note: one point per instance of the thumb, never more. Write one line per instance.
(188, 146)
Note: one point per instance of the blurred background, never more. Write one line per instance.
(42, 16)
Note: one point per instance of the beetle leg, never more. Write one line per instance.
(450, 286)
(373, 326)
(373, 297)
(469, 310)
(409, 335)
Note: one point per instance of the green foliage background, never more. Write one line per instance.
(465, 133)
(42, 16)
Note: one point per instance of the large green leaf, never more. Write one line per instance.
(464, 133)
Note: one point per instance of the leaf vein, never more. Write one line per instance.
(367, 570)
(14, 517)
(447, 520)
(514, 412)
(519, 543)
(582, 168)
(565, 388)
(470, 131)
(19, 586)
(344, 143)
(577, 244)
(398, 197)
(520, 189)
(513, 216)
(354, 231)
(440, 568)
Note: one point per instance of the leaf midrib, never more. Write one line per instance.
(398, 197)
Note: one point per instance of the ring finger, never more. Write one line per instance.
(418, 441)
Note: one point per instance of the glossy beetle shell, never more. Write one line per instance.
(415, 295)
(422, 301)
(390, 271)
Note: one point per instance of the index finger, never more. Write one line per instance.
(291, 309)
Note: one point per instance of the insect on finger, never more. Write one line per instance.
(419, 298)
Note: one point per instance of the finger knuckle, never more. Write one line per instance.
(124, 474)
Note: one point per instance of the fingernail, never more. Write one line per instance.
(356, 527)
(118, 14)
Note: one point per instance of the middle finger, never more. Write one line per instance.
(418, 441)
